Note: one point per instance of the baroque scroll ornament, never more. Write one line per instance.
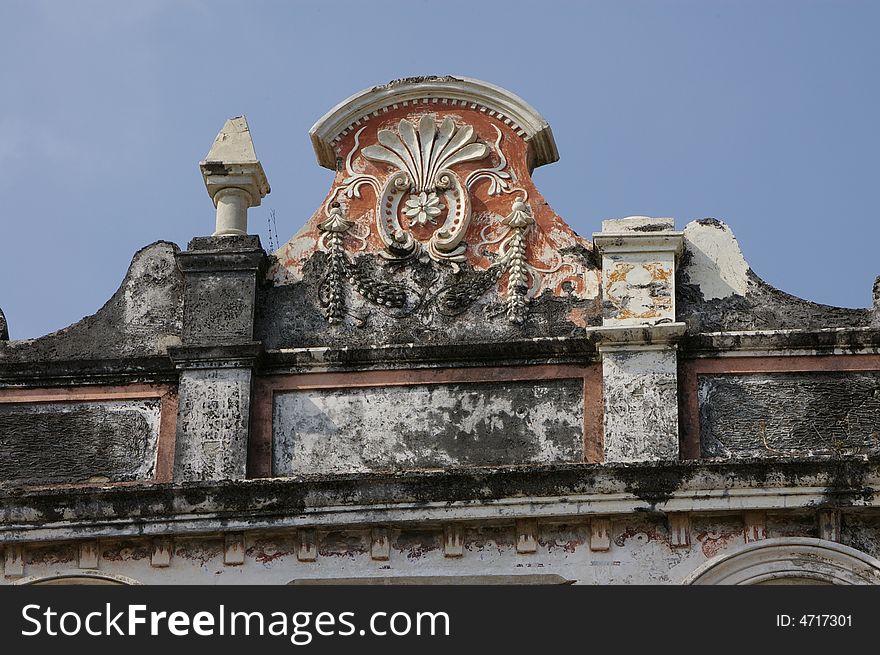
(421, 186)
(424, 184)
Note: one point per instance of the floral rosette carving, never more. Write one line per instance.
(424, 185)
(424, 192)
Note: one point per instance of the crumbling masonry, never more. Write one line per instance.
(436, 380)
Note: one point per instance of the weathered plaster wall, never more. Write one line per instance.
(212, 428)
(636, 289)
(717, 291)
(637, 549)
(861, 532)
(46, 443)
(227, 318)
(428, 426)
(289, 315)
(641, 405)
(789, 414)
(220, 288)
(141, 319)
(604, 524)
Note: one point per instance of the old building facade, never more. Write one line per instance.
(436, 380)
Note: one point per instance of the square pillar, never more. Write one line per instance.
(214, 401)
(637, 338)
(217, 357)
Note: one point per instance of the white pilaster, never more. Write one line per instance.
(637, 340)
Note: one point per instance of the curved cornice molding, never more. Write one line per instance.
(507, 107)
(78, 577)
(790, 557)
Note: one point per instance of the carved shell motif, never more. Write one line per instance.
(423, 158)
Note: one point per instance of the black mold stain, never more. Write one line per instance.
(790, 414)
(48, 446)
(466, 424)
(762, 308)
(291, 315)
(654, 484)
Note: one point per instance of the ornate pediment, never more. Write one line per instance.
(424, 189)
(433, 215)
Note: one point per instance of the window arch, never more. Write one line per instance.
(795, 560)
(78, 578)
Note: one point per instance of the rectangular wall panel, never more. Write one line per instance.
(72, 442)
(790, 414)
(427, 426)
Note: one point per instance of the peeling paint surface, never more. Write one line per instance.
(717, 291)
(215, 309)
(47, 443)
(716, 263)
(641, 405)
(144, 313)
(638, 289)
(789, 414)
(428, 426)
(212, 431)
(641, 548)
(640, 553)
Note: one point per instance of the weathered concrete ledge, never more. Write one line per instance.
(548, 350)
(216, 356)
(831, 341)
(157, 368)
(636, 335)
(478, 494)
(544, 350)
(228, 253)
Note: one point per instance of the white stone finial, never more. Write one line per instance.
(234, 177)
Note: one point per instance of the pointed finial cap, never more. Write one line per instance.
(232, 162)
(233, 144)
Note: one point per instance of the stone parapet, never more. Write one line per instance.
(221, 276)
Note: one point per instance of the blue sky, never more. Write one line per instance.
(763, 114)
